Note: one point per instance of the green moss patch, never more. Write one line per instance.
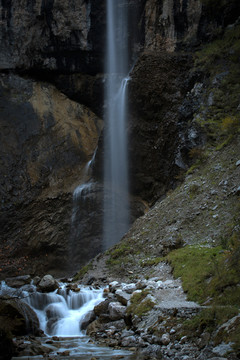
(83, 271)
(151, 262)
(209, 274)
(140, 304)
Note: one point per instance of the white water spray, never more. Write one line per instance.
(116, 200)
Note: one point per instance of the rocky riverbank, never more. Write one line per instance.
(149, 318)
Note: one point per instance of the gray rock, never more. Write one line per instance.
(237, 190)
(204, 340)
(238, 163)
(102, 307)
(152, 351)
(122, 296)
(48, 284)
(141, 284)
(126, 333)
(19, 281)
(129, 341)
(116, 311)
(183, 340)
(129, 288)
(113, 286)
(18, 317)
(87, 319)
(222, 349)
(165, 339)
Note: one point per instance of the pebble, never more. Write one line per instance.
(165, 339)
(238, 163)
(183, 340)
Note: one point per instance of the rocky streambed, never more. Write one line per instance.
(137, 320)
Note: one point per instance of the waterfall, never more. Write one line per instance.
(116, 200)
(62, 312)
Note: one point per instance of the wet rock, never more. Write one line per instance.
(18, 281)
(116, 311)
(113, 286)
(87, 319)
(17, 316)
(73, 287)
(102, 307)
(47, 284)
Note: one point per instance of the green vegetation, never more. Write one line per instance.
(123, 253)
(140, 305)
(151, 262)
(83, 271)
(227, 49)
(119, 254)
(211, 274)
(195, 265)
(219, 117)
(211, 318)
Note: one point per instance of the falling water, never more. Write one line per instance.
(116, 201)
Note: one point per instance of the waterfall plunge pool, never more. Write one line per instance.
(62, 315)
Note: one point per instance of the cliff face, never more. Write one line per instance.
(52, 65)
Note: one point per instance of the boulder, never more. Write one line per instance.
(113, 286)
(122, 296)
(129, 341)
(165, 339)
(116, 311)
(47, 284)
(18, 281)
(18, 318)
(102, 307)
(129, 288)
(87, 319)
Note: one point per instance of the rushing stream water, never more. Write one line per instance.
(62, 316)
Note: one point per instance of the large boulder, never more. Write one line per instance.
(122, 296)
(87, 319)
(18, 281)
(18, 318)
(47, 284)
(102, 307)
(116, 311)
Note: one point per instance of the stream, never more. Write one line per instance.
(63, 316)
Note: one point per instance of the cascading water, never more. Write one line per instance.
(116, 200)
(64, 315)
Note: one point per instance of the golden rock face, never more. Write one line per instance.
(72, 127)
